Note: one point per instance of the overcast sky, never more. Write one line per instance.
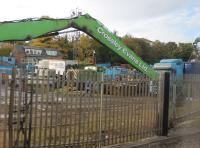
(164, 20)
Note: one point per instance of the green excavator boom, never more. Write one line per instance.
(31, 29)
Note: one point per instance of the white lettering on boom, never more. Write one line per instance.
(124, 50)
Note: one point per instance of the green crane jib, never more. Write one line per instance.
(31, 29)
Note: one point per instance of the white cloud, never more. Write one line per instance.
(165, 20)
(178, 27)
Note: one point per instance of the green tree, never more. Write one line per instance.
(5, 49)
(141, 47)
(85, 50)
(64, 45)
(184, 51)
(104, 54)
(159, 50)
(170, 49)
(48, 42)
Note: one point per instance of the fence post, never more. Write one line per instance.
(11, 106)
(101, 109)
(165, 120)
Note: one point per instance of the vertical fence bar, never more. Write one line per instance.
(41, 107)
(56, 109)
(129, 112)
(51, 108)
(142, 109)
(106, 106)
(6, 109)
(62, 85)
(88, 110)
(108, 134)
(116, 96)
(146, 130)
(79, 113)
(46, 129)
(139, 102)
(75, 114)
(11, 106)
(149, 113)
(100, 112)
(35, 108)
(174, 97)
(159, 105)
(71, 98)
(25, 110)
(66, 114)
(123, 87)
(132, 112)
(3, 113)
(144, 118)
(166, 105)
(31, 109)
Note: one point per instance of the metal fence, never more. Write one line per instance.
(53, 111)
(185, 98)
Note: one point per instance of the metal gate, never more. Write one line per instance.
(50, 110)
(185, 98)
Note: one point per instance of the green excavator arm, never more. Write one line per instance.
(31, 29)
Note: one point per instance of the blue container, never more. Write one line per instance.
(113, 72)
(192, 68)
(8, 60)
(188, 68)
(196, 68)
(104, 65)
(6, 70)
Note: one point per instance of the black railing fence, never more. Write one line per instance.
(51, 110)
